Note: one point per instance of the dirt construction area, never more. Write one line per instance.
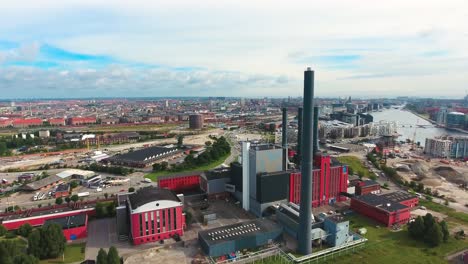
(445, 178)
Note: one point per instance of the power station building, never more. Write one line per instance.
(154, 214)
(330, 181)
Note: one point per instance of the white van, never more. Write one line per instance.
(99, 189)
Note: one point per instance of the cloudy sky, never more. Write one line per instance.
(113, 48)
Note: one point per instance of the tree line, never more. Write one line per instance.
(427, 229)
(44, 242)
(111, 257)
(219, 148)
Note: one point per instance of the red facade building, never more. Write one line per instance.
(329, 180)
(366, 187)
(27, 122)
(74, 121)
(155, 214)
(74, 222)
(389, 209)
(57, 121)
(179, 183)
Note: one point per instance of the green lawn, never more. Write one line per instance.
(451, 213)
(154, 175)
(356, 165)
(389, 247)
(73, 253)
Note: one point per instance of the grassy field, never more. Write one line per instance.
(154, 175)
(385, 246)
(73, 253)
(451, 213)
(356, 165)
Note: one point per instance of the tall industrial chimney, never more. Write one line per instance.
(315, 138)
(299, 132)
(305, 219)
(284, 128)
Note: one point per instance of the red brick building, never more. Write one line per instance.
(27, 122)
(330, 179)
(57, 121)
(155, 214)
(5, 123)
(389, 209)
(180, 182)
(62, 190)
(74, 222)
(366, 187)
(74, 121)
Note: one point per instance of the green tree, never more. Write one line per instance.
(106, 195)
(180, 141)
(131, 189)
(416, 228)
(429, 221)
(445, 231)
(111, 209)
(74, 198)
(73, 184)
(208, 143)
(101, 257)
(3, 148)
(25, 259)
(35, 243)
(3, 230)
(24, 230)
(59, 201)
(113, 256)
(52, 237)
(100, 210)
(67, 199)
(350, 171)
(434, 235)
(5, 257)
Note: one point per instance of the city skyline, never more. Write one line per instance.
(50, 49)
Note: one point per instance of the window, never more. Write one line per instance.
(152, 223)
(175, 218)
(164, 220)
(169, 219)
(141, 224)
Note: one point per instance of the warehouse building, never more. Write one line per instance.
(154, 214)
(181, 182)
(143, 157)
(246, 235)
(74, 222)
(401, 197)
(389, 211)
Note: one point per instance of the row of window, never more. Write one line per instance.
(157, 221)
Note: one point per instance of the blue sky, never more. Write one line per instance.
(51, 48)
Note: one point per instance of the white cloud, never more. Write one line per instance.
(257, 38)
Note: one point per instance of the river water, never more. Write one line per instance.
(406, 118)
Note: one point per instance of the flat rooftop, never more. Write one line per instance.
(45, 212)
(399, 196)
(237, 231)
(381, 202)
(69, 221)
(143, 154)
